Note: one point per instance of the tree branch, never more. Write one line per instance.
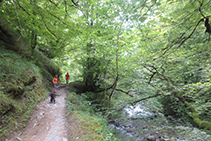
(57, 18)
(151, 77)
(45, 23)
(74, 3)
(22, 8)
(53, 3)
(141, 99)
(185, 38)
(125, 92)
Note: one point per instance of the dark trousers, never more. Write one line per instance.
(52, 95)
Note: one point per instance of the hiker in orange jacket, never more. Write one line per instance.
(55, 83)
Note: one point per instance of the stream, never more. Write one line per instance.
(140, 123)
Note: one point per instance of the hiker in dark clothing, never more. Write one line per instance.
(52, 95)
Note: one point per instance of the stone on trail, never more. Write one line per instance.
(19, 139)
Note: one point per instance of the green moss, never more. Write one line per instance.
(197, 121)
(205, 125)
(191, 108)
(187, 104)
(195, 115)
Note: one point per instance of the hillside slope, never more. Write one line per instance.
(26, 74)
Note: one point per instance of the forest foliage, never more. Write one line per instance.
(138, 49)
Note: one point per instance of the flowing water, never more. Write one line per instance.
(139, 123)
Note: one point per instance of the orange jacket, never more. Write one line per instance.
(54, 80)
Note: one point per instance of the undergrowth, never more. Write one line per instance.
(90, 125)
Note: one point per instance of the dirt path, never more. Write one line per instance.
(48, 122)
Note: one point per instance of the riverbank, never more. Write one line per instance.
(141, 123)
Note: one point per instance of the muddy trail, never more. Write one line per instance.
(48, 122)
